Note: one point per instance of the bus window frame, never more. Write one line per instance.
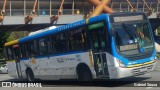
(26, 50)
(45, 45)
(12, 56)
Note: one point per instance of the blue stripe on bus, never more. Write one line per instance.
(24, 59)
(48, 56)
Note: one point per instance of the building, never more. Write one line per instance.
(50, 7)
(72, 10)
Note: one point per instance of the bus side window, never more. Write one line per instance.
(77, 39)
(10, 53)
(28, 49)
(17, 52)
(32, 48)
(51, 44)
(60, 44)
(83, 38)
(24, 50)
(5, 53)
(70, 40)
(42, 46)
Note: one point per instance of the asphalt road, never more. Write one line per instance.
(120, 84)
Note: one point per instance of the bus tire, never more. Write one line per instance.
(30, 75)
(84, 74)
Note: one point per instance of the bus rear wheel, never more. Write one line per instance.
(30, 75)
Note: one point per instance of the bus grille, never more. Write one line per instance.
(136, 57)
(142, 70)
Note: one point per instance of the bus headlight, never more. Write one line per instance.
(121, 64)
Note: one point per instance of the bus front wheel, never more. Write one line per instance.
(30, 75)
(84, 74)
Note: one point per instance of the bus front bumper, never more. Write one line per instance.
(134, 71)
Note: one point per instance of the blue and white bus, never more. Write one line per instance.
(109, 46)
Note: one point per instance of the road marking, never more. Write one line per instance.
(153, 88)
(148, 74)
(149, 87)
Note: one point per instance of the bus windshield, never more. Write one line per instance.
(133, 38)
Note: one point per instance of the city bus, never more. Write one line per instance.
(108, 46)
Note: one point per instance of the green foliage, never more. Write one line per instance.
(2, 61)
(10, 39)
(17, 34)
(158, 55)
(3, 40)
(7, 36)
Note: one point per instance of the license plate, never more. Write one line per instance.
(143, 69)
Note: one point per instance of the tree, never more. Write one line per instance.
(3, 39)
(17, 34)
(9, 36)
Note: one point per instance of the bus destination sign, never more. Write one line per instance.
(96, 25)
(128, 18)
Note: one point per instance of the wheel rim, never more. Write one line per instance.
(30, 76)
(29, 79)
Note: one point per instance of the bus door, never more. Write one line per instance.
(17, 60)
(98, 44)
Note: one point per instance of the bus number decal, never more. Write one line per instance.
(78, 57)
(63, 59)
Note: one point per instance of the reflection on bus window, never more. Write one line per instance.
(60, 44)
(77, 39)
(24, 50)
(32, 46)
(42, 47)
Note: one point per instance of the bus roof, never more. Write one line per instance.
(42, 30)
